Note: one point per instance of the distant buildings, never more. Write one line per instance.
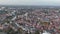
(30, 20)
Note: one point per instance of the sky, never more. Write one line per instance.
(29, 2)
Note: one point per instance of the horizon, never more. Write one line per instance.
(31, 2)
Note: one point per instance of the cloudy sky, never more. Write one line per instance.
(30, 2)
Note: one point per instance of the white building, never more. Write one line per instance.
(46, 32)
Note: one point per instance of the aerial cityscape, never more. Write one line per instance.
(29, 16)
(29, 20)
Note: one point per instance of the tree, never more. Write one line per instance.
(10, 31)
(20, 30)
(37, 32)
